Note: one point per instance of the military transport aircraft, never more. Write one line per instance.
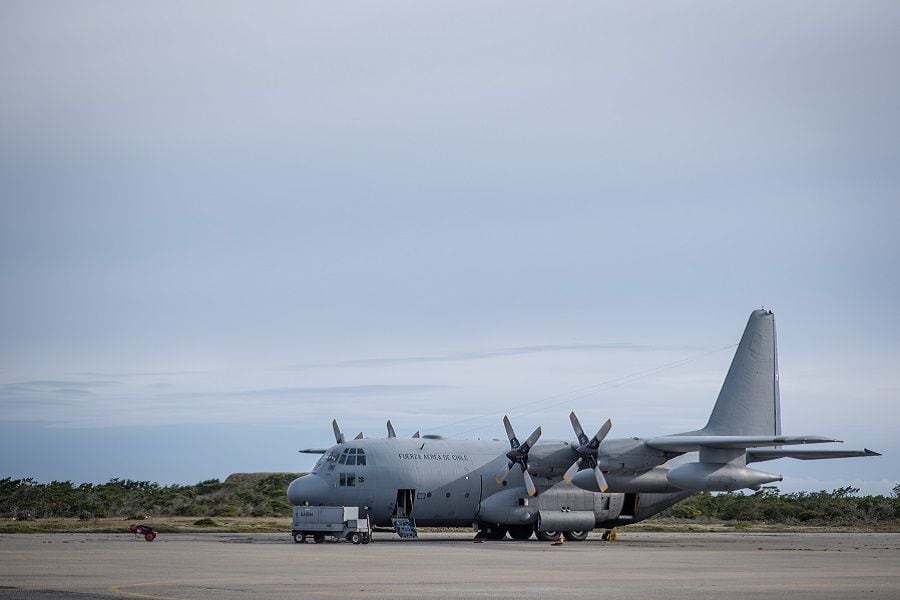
(567, 486)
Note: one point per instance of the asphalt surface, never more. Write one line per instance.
(637, 565)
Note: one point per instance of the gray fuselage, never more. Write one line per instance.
(452, 483)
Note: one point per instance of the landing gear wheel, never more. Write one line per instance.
(318, 539)
(495, 532)
(575, 536)
(300, 538)
(547, 536)
(520, 532)
(355, 538)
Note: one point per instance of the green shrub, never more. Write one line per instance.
(207, 522)
(208, 487)
(189, 510)
(228, 510)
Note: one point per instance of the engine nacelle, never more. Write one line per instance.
(652, 481)
(718, 477)
(629, 455)
(507, 507)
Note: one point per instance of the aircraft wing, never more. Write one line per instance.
(692, 443)
(759, 455)
(314, 451)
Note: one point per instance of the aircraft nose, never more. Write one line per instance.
(309, 489)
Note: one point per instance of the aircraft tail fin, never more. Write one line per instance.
(749, 402)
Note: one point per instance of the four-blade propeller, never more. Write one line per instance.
(587, 451)
(518, 455)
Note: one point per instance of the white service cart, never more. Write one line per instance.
(332, 521)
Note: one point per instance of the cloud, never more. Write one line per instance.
(129, 374)
(58, 383)
(43, 387)
(341, 390)
(501, 352)
(74, 407)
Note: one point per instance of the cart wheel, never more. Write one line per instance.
(149, 537)
(366, 538)
(318, 539)
(300, 538)
(355, 538)
(154, 535)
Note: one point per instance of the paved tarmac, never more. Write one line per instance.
(637, 565)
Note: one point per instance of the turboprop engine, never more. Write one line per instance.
(718, 477)
(649, 481)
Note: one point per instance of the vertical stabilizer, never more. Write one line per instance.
(748, 403)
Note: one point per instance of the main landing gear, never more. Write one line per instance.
(520, 532)
(554, 536)
(548, 536)
(570, 536)
(524, 532)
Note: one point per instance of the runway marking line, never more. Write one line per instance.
(117, 589)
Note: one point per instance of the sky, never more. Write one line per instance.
(224, 224)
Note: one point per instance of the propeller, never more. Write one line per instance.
(391, 432)
(518, 455)
(338, 434)
(587, 451)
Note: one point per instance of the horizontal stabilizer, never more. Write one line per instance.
(692, 443)
(314, 451)
(760, 455)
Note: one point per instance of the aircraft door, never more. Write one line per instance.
(403, 506)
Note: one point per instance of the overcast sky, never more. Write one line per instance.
(224, 224)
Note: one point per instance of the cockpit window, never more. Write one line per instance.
(331, 458)
(352, 457)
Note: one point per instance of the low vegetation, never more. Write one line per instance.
(257, 502)
(841, 507)
(249, 495)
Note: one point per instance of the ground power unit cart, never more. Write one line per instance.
(339, 522)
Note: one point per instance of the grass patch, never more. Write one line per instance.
(161, 524)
